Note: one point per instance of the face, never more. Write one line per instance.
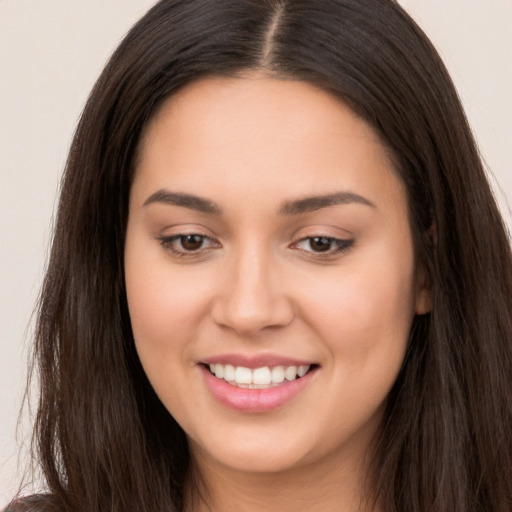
(270, 272)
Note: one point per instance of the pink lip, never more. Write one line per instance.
(254, 400)
(256, 361)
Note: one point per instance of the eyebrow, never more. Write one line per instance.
(296, 207)
(185, 200)
(313, 203)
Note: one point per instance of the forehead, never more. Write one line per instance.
(258, 100)
(257, 133)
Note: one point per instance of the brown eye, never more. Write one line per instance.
(188, 245)
(191, 242)
(321, 243)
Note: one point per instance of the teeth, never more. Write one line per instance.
(277, 374)
(290, 373)
(259, 378)
(219, 371)
(302, 370)
(242, 375)
(229, 372)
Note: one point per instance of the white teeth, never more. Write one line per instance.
(302, 370)
(219, 371)
(242, 375)
(290, 373)
(278, 374)
(229, 372)
(258, 378)
(261, 375)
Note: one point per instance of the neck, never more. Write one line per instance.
(327, 487)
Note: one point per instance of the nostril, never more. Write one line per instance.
(250, 315)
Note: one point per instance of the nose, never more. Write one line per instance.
(251, 295)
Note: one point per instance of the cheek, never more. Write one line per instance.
(363, 320)
(367, 312)
(161, 300)
(161, 306)
(165, 307)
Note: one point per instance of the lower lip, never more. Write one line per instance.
(254, 400)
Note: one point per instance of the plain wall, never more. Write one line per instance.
(51, 52)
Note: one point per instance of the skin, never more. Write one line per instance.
(256, 285)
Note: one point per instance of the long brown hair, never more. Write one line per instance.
(104, 441)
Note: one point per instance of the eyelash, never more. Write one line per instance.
(340, 245)
(169, 244)
(336, 245)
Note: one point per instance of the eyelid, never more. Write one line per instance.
(171, 242)
(183, 229)
(342, 240)
(167, 242)
(340, 245)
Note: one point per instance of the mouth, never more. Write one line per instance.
(253, 386)
(264, 377)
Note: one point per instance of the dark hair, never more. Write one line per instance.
(104, 440)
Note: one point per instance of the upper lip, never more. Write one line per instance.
(255, 361)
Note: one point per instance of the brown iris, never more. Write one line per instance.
(191, 242)
(320, 243)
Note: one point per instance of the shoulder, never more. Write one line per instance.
(34, 503)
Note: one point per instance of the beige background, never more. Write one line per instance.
(51, 51)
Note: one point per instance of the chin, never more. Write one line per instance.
(258, 453)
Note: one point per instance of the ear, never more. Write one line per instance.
(423, 296)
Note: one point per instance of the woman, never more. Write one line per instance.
(278, 278)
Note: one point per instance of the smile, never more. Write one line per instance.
(258, 378)
(256, 386)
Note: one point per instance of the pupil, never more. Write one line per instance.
(320, 243)
(191, 242)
